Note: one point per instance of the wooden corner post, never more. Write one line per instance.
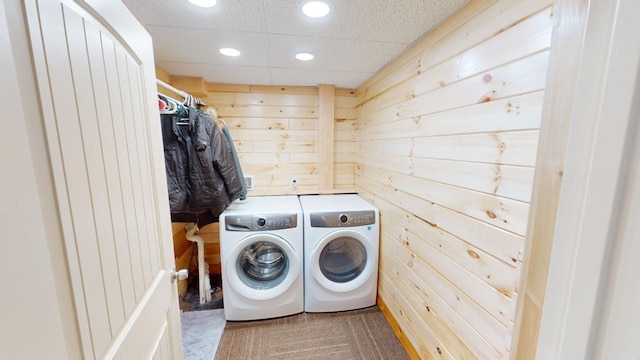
(326, 103)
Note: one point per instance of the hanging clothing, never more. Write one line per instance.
(202, 176)
(226, 133)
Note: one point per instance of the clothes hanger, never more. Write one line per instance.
(168, 108)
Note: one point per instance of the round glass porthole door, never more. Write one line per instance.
(342, 261)
(262, 266)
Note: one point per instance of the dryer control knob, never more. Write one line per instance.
(344, 218)
(262, 222)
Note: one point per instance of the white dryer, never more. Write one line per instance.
(261, 251)
(341, 252)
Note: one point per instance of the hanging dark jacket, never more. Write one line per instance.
(201, 173)
(214, 176)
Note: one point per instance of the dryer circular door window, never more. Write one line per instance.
(262, 266)
(342, 261)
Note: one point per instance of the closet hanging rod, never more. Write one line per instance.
(179, 92)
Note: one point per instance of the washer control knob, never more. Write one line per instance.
(343, 218)
(262, 222)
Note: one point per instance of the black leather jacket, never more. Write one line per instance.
(201, 172)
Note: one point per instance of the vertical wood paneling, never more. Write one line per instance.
(147, 243)
(136, 160)
(42, 68)
(128, 173)
(93, 140)
(89, 125)
(78, 189)
(153, 250)
(112, 190)
(114, 160)
(326, 135)
(446, 144)
(95, 170)
(79, 87)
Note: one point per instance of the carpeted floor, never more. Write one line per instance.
(201, 332)
(360, 334)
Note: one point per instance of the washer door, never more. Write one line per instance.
(262, 266)
(342, 261)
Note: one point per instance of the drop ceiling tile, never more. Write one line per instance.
(201, 46)
(301, 77)
(220, 73)
(353, 42)
(331, 54)
(376, 20)
(242, 15)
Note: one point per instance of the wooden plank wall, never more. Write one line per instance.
(276, 133)
(446, 147)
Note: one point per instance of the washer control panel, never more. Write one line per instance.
(260, 222)
(342, 218)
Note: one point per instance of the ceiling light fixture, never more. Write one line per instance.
(303, 56)
(204, 3)
(229, 52)
(315, 9)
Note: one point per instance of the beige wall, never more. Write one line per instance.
(447, 138)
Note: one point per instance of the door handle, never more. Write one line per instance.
(179, 275)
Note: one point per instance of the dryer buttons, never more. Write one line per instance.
(274, 222)
(342, 219)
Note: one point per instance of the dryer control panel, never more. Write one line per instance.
(343, 218)
(260, 222)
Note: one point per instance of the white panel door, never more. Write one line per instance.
(95, 73)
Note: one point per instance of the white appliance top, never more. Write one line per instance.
(321, 203)
(264, 205)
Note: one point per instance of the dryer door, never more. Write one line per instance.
(343, 261)
(262, 266)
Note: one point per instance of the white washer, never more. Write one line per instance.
(341, 234)
(261, 247)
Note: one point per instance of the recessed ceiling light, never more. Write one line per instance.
(304, 56)
(316, 9)
(204, 3)
(229, 52)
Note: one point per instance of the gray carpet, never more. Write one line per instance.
(201, 331)
(360, 334)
